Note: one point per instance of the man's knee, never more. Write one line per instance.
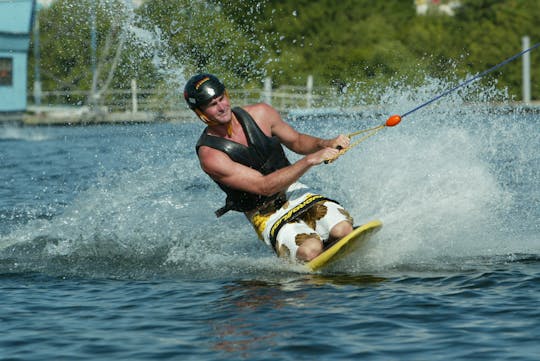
(341, 229)
(309, 249)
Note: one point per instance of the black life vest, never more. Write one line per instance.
(264, 154)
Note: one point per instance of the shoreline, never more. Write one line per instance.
(62, 115)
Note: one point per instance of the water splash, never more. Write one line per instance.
(442, 184)
(16, 133)
(452, 185)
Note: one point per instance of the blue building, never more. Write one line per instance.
(16, 17)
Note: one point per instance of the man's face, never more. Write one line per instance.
(218, 110)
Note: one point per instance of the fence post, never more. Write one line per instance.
(268, 90)
(134, 104)
(37, 61)
(525, 43)
(309, 93)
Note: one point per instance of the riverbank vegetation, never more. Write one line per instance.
(346, 43)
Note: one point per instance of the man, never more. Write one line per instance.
(241, 150)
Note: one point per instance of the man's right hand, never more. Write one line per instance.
(326, 155)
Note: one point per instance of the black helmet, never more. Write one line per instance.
(201, 89)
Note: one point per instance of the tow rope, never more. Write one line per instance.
(396, 119)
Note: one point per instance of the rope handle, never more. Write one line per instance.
(390, 122)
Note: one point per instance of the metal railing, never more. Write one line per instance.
(162, 101)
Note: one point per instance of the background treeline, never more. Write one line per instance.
(345, 42)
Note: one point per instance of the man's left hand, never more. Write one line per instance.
(340, 142)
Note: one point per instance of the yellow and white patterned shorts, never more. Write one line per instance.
(316, 221)
(302, 216)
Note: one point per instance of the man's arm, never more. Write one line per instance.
(300, 143)
(224, 170)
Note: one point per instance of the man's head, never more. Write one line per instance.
(201, 89)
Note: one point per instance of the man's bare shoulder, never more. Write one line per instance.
(260, 109)
(265, 116)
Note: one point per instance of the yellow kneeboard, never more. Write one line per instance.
(344, 246)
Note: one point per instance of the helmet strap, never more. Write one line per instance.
(229, 126)
(204, 118)
(210, 123)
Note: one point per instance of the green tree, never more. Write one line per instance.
(359, 42)
(494, 30)
(201, 36)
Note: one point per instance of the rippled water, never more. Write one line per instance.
(109, 248)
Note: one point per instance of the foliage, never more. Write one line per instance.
(198, 36)
(346, 42)
(65, 49)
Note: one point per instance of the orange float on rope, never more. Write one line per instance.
(393, 120)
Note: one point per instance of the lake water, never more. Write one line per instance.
(109, 248)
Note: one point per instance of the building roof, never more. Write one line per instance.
(16, 16)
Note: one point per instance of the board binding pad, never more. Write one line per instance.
(344, 246)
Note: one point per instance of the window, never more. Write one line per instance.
(6, 71)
